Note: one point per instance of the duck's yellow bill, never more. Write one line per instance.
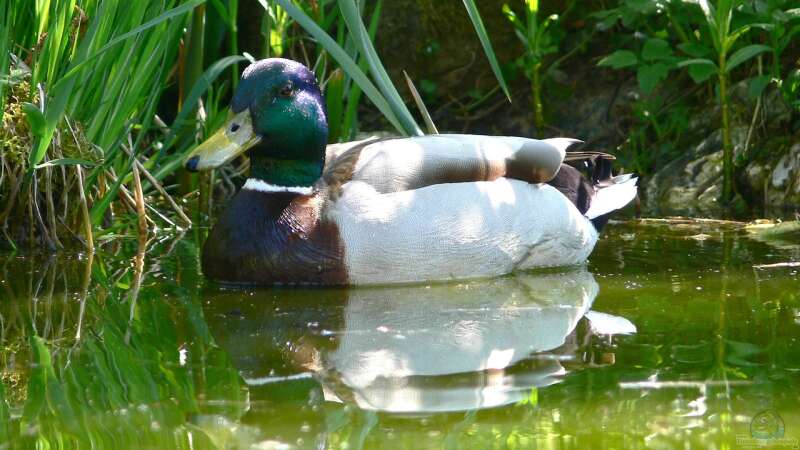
(230, 141)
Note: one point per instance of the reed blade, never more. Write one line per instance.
(345, 62)
(357, 29)
(477, 22)
(426, 116)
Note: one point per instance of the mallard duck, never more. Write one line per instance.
(381, 211)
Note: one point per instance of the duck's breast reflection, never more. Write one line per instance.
(450, 329)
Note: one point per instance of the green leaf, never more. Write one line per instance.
(619, 59)
(66, 162)
(35, 119)
(786, 39)
(701, 72)
(700, 69)
(512, 17)
(221, 9)
(695, 50)
(475, 17)
(645, 7)
(45, 393)
(736, 34)
(790, 88)
(763, 26)
(607, 19)
(650, 75)
(656, 49)
(697, 61)
(37, 383)
(757, 85)
(745, 53)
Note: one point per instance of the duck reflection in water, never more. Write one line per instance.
(416, 349)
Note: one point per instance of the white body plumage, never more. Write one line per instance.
(458, 231)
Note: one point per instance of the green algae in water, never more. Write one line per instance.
(669, 338)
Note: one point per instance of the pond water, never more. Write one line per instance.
(676, 335)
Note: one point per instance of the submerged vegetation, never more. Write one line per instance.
(98, 321)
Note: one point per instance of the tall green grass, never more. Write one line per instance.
(98, 70)
(5, 56)
(342, 93)
(372, 77)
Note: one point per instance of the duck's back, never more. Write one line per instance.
(398, 164)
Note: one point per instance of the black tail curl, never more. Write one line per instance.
(581, 177)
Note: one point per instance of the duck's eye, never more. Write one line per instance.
(286, 91)
(234, 127)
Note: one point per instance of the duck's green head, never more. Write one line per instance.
(278, 114)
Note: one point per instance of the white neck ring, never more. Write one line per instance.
(253, 184)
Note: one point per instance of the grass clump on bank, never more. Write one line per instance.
(82, 81)
(37, 209)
